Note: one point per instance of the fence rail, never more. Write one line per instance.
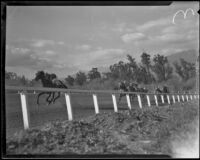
(67, 92)
(24, 89)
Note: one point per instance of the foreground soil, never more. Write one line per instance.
(137, 131)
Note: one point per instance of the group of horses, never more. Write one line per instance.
(133, 87)
(130, 87)
(49, 81)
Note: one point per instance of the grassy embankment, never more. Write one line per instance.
(154, 130)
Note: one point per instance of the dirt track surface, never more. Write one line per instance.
(139, 131)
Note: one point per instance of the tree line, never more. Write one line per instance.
(149, 70)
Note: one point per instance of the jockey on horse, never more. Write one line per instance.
(132, 88)
(123, 88)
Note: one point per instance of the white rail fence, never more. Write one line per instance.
(25, 90)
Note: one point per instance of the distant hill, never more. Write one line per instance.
(189, 55)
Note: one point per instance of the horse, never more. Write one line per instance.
(123, 88)
(142, 90)
(131, 87)
(48, 80)
(58, 84)
(164, 90)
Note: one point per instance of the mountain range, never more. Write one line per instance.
(189, 56)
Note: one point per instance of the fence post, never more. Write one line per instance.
(114, 103)
(162, 97)
(178, 98)
(96, 106)
(187, 98)
(173, 98)
(156, 100)
(194, 96)
(183, 98)
(148, 100)
(128, 101)
(139, 101)
(25, 111)
(168, 99)
(191, 97)
(69, 107)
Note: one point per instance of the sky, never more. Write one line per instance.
(67, 39)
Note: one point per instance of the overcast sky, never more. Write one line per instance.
(66, 39)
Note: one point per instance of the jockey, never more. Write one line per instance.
(165, 89)
(133, 86)
(122, 86)
(54, 79)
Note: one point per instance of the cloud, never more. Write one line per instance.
(170, 37)
(168, 51)
(50, 52)
(61, 43)
(154, 23)
(19, 50)
(38, 43)
(106, 52)
(132, 37)
(29, 58)
(84, 47)
(96, 57)
(121, 27)
(42, 43)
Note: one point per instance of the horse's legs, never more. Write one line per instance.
(47, 99)
(120, 96)
(56, 97)
(53, 96)
(38, 97)
(132, 97)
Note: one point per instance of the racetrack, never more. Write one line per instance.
(82, 106)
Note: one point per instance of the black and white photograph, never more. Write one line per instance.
(101, 79)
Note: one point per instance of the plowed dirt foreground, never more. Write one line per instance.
(139, 131)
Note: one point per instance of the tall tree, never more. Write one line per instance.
(146, 63)
(133, 68)
(162, 68)
(185, 69)
(10, 75)
(80, 78)
(70, 80)
(93, 74)
(23, 80)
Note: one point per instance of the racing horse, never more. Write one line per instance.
(122, 87)
(131, 87)
(142, 90)
(58, 84)
(164, 90)
(48, 81)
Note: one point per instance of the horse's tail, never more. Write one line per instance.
(63, 84)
